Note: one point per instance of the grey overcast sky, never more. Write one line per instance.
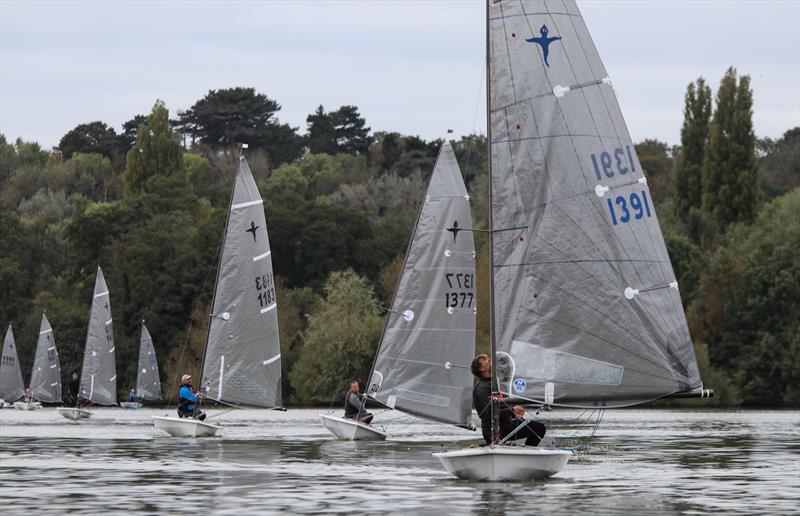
(415, 67)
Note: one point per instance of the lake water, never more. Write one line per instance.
(640, 461)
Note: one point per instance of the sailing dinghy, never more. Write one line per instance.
(99, 373)
(585, 306)
(422, 363)
(46, 375)
(12, 387)
(242, 361)
(148, 383)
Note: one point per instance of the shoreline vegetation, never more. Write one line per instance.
(149, 203)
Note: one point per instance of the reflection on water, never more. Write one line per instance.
(639, 462)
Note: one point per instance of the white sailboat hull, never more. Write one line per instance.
(514, 463)
(131, 404)
(22, 405)
(184, 427)
(350, 429)
(74, 413)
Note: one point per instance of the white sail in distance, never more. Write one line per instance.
(99, 373)
(148, 383)
(46, 376)
(12, 387)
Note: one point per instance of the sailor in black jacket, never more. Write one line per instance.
(509, 417)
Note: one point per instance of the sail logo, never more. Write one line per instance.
(544, 42)
(252, 230)
(520, 385)
(454, 230)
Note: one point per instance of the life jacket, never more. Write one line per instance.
(185, 405)
(350, 411)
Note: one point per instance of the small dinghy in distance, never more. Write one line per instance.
(242, 360)
(99, 373)
(148, 383)
(350, 429)
(585, 306)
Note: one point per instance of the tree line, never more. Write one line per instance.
(149, 203)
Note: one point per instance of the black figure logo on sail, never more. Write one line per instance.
(544, 42)
(454, 230)
(253, 229)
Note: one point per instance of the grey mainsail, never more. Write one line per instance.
(46, 376)
(99, 373)
(12, 387)
(242, 362)
(148, 383)
(586, 306)
(422, 363)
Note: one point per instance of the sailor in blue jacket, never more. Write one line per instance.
(187, 398)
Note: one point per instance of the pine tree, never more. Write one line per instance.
(730, 180)
(694, 136)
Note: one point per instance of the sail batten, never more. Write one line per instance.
(46, 376)
(242, 363)
(584, 296)
(421, 366)
(99, 372)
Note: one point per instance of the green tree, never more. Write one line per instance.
(91, 138)
(343, 131)
(8, 160)
(780, 167)
(91, 175)
(694, 137)
(228, 117)
(340, 340)
(157, 152)
(730, 176)
(130, 130)
(656, 161)
(746, 307)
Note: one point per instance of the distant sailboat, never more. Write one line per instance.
(585, 306)
(12, 387)
(242, 362)
(148, 383)
(46, 375)
(99, 373)
(422, 363)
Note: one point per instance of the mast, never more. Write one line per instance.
(219, 267)
(492, 333)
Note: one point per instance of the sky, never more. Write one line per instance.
(415, 67)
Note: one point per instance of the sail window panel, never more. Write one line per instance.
(434, 393)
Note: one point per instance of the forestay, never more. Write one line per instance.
(242, 361)
(99, 373)
(46, 376)
(148, 383)
(12, 387)
(422, 364)
(586, 303)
